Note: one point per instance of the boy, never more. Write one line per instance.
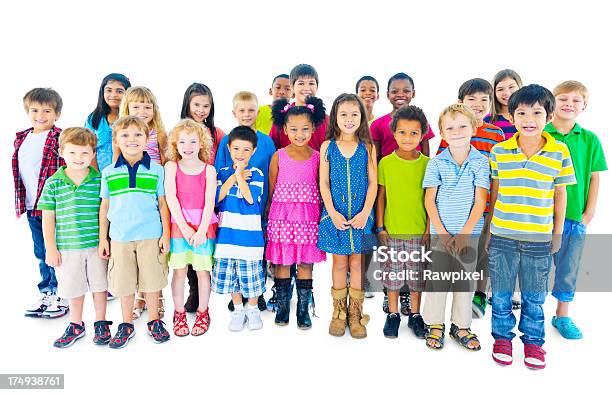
(456, 183)
(245, 112)
(400, 213)
(35, 160)
(304, 82)
(477, 94)
(530, 172)
(240, 244)
(132, 193)
(571, 98)
(281, 89)
(73, 192)
(367, 89)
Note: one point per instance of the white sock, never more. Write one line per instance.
(238, 307)
(251, 306)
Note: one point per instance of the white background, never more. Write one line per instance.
(240, 45)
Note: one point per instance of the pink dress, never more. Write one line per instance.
(294, 212)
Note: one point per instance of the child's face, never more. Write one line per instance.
(569, 105)
(142, 110)
(281, 89)
(77, 157)
(199, 108)
(42, 116)
(400, 93)
(188, 145)
(530, 120)
(113, 93)
(304, 87)
(245, 113)
(505, 89)
(457, 131)
(408, 134)
(479, 102)
(349, 117)
(131, 141)
(299, 129)
(241, 151)
(367, 92)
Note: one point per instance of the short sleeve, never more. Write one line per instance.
(375, 131)
(381, 171)
(47, 197)
(430, 134)
(493, 163)
(598, 159)
(104, 193)
(443, 145)
(256, 184)
(482, 174)
(223, 154)
(432, 176)
(160, 182)
(566, 176)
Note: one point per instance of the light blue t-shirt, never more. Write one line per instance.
(104, 149)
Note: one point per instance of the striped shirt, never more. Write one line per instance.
(76, 209)
(457, 187)
(503, 123)
(133, 192)
(525, 199)
(240, 235)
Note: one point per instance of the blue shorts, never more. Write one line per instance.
(238, 276)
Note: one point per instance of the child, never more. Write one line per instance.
(477, 94)
(456, 183)
(132, 193)
(571, 98)
(304, 84)
(505, 83)
(190, 185)
(198, 104)
(240, 244)
(400, 91)
(111, 93)
(72, 247)
(530, 172)
(281, 89)
(367, 90)
(348, 189)
(245, 112)
(35, 159)
(295, 208)
(401, 214)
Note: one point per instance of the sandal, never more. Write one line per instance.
(137, 311)
(180, 324)
(464, 340)
(566, 327)
(439, 339)
(161, 309)
(201, 324)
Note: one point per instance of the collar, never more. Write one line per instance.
(145, 161)
(512, 143)
(60, 174)
(446, 155)
(550, 128)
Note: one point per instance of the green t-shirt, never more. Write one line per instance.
(263, 123)
(587, 157)
(405, 206)
(76, 209)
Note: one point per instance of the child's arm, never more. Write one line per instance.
(104, 246)
(359, 221)
(338, 219)
(589, 209)
(164, 213)
(434, 216)
(242, 184)
(480, 202)
(272, 176)
(52, 255)
(381, 206)
(209, 205)
(560, 204)
(424, 146)
(162, 145)
(172, 200)
(227, 185)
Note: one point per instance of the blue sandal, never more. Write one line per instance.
(567, 328)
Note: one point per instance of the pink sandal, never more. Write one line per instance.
(202, 322)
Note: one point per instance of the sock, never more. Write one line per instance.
(238, 307)
(282, 282)
(252, 306)
(303, 284)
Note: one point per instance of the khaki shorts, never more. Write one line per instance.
(136, 266)
(80, 271)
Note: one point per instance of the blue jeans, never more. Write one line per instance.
(48, 282)
(567, 260)
(531, 262)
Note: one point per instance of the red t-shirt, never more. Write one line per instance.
(380, 130)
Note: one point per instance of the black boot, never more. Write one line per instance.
(283, 304)
(304, 291)
(191, 305)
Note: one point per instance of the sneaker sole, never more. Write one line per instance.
(101, 343)
(124, 344)
(391, 336)
(33, 315)
(66, 345)
(54, 314)
(477, 312)
(501, 362)
(534, 367)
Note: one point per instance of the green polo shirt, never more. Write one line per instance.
(587, 157)
(76, 209)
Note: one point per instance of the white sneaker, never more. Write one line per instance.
(39, 307)
(57, 308)
(238, 320)
(253, 318)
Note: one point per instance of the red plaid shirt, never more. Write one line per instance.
(51, 161)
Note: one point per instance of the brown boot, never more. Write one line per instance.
(337, 326)
(356, 319)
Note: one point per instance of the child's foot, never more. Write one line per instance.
(534, 356)
(502, 352)
(385, 304)
(201, 324)
(261, 303)
(110, 296)
(157, 331)
(566, 327)
(435, 336)
(416, 323)
(479, 305)
(124, 333)
(392, 324)
(404, 298)
(272, 302)
(38, 308)
(139, 307)
(102, 334)
(73, 333)
(57, 308)
(366, 286)
(465, 337)
(238, 319)
(516, 301)
(179, 322)
(253, 316)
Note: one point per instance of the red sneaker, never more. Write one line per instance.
(502, 352)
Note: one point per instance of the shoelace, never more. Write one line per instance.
(534, 351)
(339, 309)
(502, 347)
(202, 320)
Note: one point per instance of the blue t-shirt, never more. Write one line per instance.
(104, 149)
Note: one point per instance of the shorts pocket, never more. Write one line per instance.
(109, 273)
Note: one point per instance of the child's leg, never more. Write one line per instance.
(393, 301)
(567, 263)
(415, 302)
(127, 302)
(304, 272)
(356, 267)
(152, 299)
(339, 269)
(48, 282)
(76, 309)
(178, 289)
(282, 271)
(204, 289)
(99, 302)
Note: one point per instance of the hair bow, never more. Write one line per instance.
(310, 107)
(286, 108)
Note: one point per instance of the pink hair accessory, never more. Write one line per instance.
(286, 108)
(310, 107)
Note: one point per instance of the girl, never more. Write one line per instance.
(111, 92)
(190, 185)
(295, 207)
(505, 83)
(348, 188)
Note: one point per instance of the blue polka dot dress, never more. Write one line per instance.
(348, 180)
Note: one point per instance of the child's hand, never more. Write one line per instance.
(164, 244)
(239, 168)
(339, 221)
(487, 242)
(383, 238)
(359, 221)
(198, 238)
(587, 217)
(104, 251)
(555, 245)
(447, 241)
(246, 174)
(188, 233)
(461, 243)
(53, 257)
(426, 241)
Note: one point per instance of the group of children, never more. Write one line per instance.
(115, 204)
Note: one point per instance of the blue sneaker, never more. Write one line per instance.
(124, 333)
(567, 328)
(157, 331)
(73, 333)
